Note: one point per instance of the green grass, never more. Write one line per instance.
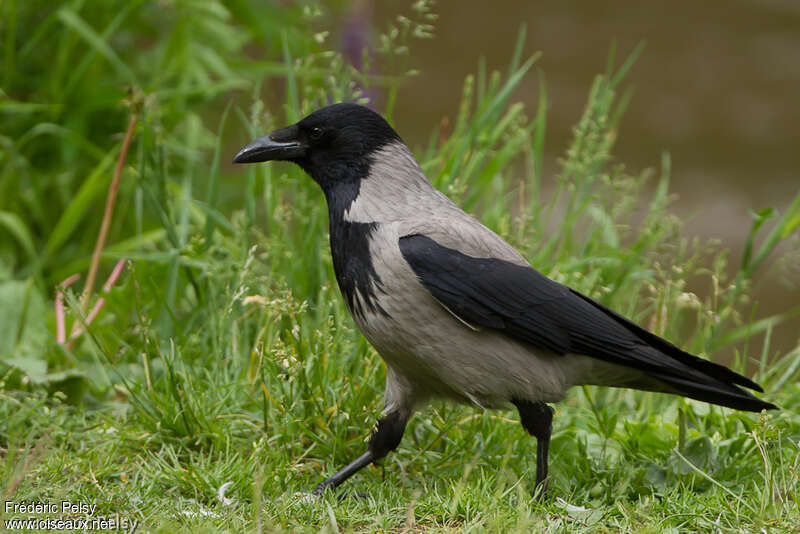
(224, 359)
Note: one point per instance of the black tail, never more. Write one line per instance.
(692, 377)
(714, 391)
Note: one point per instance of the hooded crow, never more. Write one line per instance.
(454, 310)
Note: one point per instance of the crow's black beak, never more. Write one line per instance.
(281, 144)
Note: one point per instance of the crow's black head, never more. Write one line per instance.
(334, 144)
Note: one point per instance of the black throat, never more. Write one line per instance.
(350, 250)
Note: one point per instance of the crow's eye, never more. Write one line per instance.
(316, 133)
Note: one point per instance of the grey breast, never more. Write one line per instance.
(440, 353)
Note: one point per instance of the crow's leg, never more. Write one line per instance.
(385, 439)
(537, 419)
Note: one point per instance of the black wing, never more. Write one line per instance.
(528, 306)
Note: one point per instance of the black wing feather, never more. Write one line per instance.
(527, 305)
